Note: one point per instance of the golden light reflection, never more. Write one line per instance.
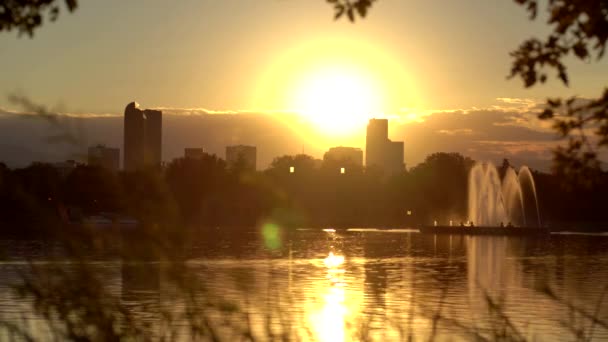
(333, 261)
(329, 320)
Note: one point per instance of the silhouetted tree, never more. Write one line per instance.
(94, 189)
(440, 186)
(580, 30)
(41, 180)
(147, 197)
(502, 170)
(29, 197)
(197, 185)
(28, 15)
(301, 163)
(351, 8)
(296, 189)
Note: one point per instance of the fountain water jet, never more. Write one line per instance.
(525, 177)
(492, 202)
(512, 194)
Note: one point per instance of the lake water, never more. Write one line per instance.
(362, 284)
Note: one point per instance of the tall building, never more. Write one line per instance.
(194, 152)
(142, 137)
(106, 157)
(241, 153)
(380, 151)
(341, 153)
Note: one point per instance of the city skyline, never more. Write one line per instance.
(142, 146)
(381, 67)
(473, 133)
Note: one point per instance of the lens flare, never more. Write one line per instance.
(272, 238)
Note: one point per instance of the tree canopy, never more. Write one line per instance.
(27, 15)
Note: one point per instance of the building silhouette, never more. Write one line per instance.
(194, 152)
(341, 153)
(380, 151)
(142, 137)
(247, 155)
(106, 157)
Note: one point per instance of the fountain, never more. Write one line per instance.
(498, 207)
(492, 202)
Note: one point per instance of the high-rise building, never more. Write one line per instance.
(341, 153)
(380, 151)
(142, 137)
(241, 154)
(106, 157)
(375, 142)
(194, 152)
(395, 160)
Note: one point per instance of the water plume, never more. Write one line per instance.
(493, 202)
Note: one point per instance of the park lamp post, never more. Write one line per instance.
(292, 169)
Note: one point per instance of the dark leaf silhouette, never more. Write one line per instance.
(352, 8)
(27, 15)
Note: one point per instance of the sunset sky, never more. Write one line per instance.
(436, 68)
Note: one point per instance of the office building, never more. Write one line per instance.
(341, 153)
(106, 157)
(247, 155)
(194, 152)
(380, 151)
(142, 137)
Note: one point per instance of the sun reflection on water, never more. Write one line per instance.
(330, 315)
(333, 261)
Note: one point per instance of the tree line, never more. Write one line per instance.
(295, 191)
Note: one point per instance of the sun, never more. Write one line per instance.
(337, 100)
(334, 84)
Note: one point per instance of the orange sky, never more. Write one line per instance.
(406, 61)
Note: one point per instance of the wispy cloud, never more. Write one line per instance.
(508, 129)
(461, 131)
(542, 149)
(13, 112)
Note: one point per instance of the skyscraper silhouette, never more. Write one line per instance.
(380, 151)
(142, 137)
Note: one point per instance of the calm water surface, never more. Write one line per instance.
(365, 284)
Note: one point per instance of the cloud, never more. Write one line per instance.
(462, 131)
(509, 129)
(203, 111)
(165, 110)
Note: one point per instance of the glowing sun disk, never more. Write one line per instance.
(337, 101)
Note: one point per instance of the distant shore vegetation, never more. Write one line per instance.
(295, 190)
